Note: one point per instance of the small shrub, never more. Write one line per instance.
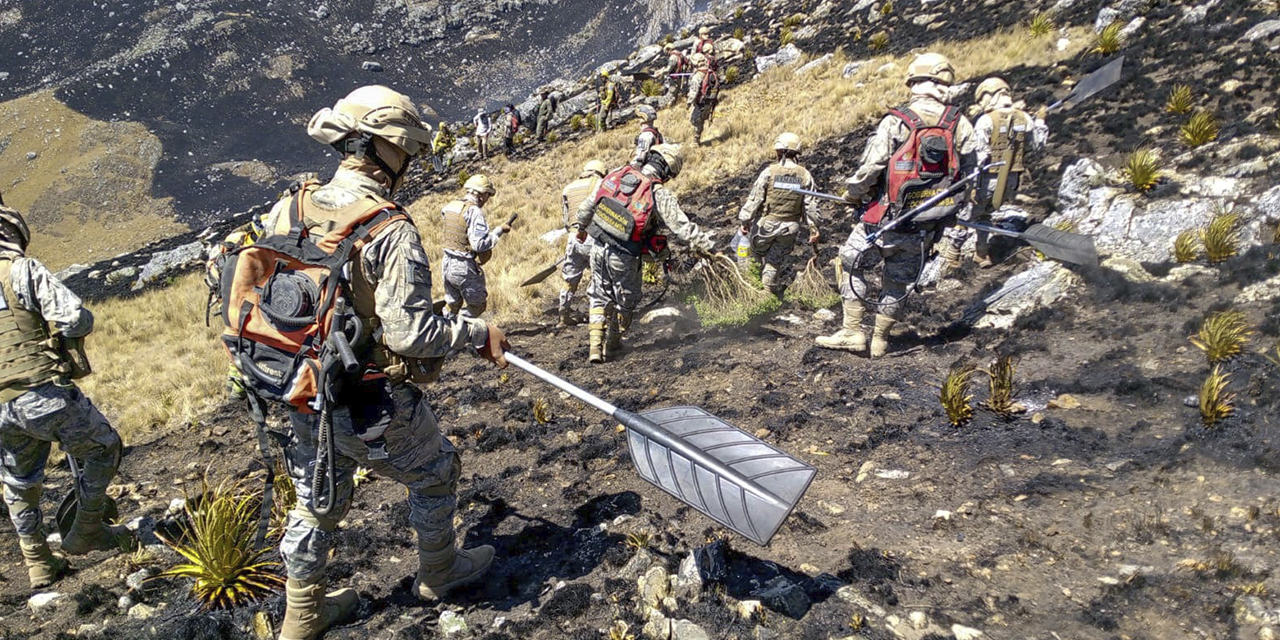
(1180, 100)
(1142, 169)
(218, 548)
(886, 8)
(1186, 247)
(671, 37)
(651, 273)
(1222, 336)
(1215, 401)
(651, 88)
(1221, 237)
(553, 137)
(737, 13)
(463, 176)
(731, 75)
(1109, 40)
(879, 41)
(786, 37)
(954, 394)
(1201, 128)
(739, 33)
(575, 123)
(1001, 386)
(541, 411)
(639, 540)
(590, 121)
(1041, 24)
(793, 20)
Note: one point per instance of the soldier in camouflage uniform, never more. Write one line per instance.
(576, 252)
(703, 96)
(898, 253)
(385, 422)
(677, 66)
(468, 244)
(615, 271)
(546, 109)
(39, 405)
(1002, 133)
(778, 213)
(648, 137)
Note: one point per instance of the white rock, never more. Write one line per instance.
(1132, 28)
(1063, 43)
(942, 514)
(787, 55)
(451, 623)
(919, 619)
(1262, 30)
(962, 632)
(658, 314)
(141, 611)
(166, 262)
(1260, 291)
(657, 626)
(686, 630)
(44, 601)
(893, 474)
(824, 315)
(1130, 270)
(852, 68)
(814, 64)
(749, 609)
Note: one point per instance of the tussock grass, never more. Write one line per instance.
(1200, 129)
(542, 411)
(1041, 24)
(1180, 101)
(154, 361)
(1001, 387)
(650, 88)
(1186, 247)
(731, 75)
(218, 548)
(786, 36)
(879, 41)
(1222, 335)
(811, 289)
(739, 33)
(793, 20)
(1221, 237)
(1216, 403)
(954, 394)
(886, 9)
(1109, 40)
(1142, 169)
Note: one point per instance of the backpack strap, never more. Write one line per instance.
(950, 118)
(908, 117)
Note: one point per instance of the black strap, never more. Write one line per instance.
(296, 227)
(268, 460)
(909, 117)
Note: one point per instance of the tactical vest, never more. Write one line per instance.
(785, 205)
(453, 236)
(574, 194)
(1009, 131)
(27, 357)
(657, 135)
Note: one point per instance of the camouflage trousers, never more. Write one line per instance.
(577, 256)
(29, 424)
(464, 282)
(771, 246)
(699, 116)
(615, 285)
(418, 457)
(979, 210)
(897, 255)
(540, 131)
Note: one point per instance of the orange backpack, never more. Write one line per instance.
(285, 307)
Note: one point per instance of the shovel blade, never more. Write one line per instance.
(727, 474)
(1095, 82)
(66, 515)
(1061, 245)
(541, 275)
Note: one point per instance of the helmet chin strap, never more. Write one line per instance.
(361, 147)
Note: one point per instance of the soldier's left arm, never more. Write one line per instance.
(478, 234)
(811, 203)
(966, 146)
(750, 208)
(981, 140)
(675, 219)
(39, 290)
(643, 143)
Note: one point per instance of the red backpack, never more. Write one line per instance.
(709, 92)
(624, 205)
(925, 165)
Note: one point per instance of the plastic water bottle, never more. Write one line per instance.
(741, 246)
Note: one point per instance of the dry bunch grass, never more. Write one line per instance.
(725, 298)
(1222, 336)
(1180, 101)
(1041, 24)
(1221, 237)
(1142, 169)
(1109, 40)
(1201, 128)
(811, 289)
(1186, 247)
(1001, 387)
(954, 394)
(1215, 401)
(879, 41)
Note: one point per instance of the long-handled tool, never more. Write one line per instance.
(66, 514)
(543, 275)
(1104, 77)
(730, 476)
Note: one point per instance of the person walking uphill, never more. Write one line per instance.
(546, 109)
(675, 73)
(482, 125)
(42, 327)
(778, 212)
(629, 218)
(918, 150)
(577, 253)
(704, 95)
(510, 127)
(648, 137)
(366, 410)
(468, 244)
(1003, 133)
(607, 100)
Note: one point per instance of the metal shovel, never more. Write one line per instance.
(66, 514)
(729, 475)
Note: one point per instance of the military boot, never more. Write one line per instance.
(43, 568)
(597, 342)
(981, 255)
(567, 317)
(447, 568)
(309, 611)
(880, 336)
(850, 337)
(950, 257)
(612, 341)
(88, 533)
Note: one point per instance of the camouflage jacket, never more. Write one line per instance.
(892, 133)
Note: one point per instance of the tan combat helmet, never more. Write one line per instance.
(990, 87)
(931, 66)
(704, 31)
(593, 168)
(14, 233)
(673, 155)
(376, 111)
(668, 47)
(647, 113)
(480, 184)
(787, 142)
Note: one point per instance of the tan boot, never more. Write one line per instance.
(43, 568)
(597, 343)
(950, 257)
(980, 254)
(309, 611)
(443, 570)
(612, 340)
(880, 336)
(850, 337)
(88, 533)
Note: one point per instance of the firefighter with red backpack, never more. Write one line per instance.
(649, 135)
(630, 217)
(917, 151)
(329, 315)
(704, 94)
(676, 73)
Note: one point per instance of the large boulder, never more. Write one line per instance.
(785, 56)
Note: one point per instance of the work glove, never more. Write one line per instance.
(582, 236)
(495, 347)
(815, 236)
(746, 229)
(1042, 112)
(506, 228)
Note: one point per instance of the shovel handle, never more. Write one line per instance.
(559, 383)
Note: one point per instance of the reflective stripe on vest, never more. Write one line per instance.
(1009, 129)
(26, 357)
(453, 237)
(783, 204)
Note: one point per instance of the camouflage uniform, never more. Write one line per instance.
(703, 107)
(464, 280)
(649, 136)
(418, 455)
(608, 101)
(577, 253)
(677, 62)
(546, 109)
(900, 253)
(775, 233)
(51, 411)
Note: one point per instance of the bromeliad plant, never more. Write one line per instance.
(1041, 24)
(1222, 336)
(1142, 169)
(1001, 386)
(1180, 100)
(1216, 403)
(1186, 247)
(954, 394)
(218, 547)
(1109, 40)
(1200, 129)
(1221, 237)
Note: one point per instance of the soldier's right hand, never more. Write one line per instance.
(746, 229)
(506, 228)
(495, 347)
(582, 236)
